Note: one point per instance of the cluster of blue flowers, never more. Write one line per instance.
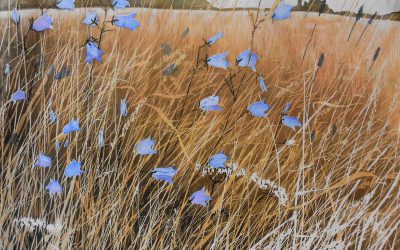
(246, 58)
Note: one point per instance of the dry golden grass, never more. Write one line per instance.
(342, 186)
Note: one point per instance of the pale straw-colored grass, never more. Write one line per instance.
(341, 187)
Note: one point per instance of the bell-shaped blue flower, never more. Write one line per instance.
(287, 107)
(18, 95)
(93, 52)
(200, 197)
(73, 169)
(261, 81)
(259, 109)
(53, 117)
(218, 160)
(43, 23)
(215, 38)
(247, 59)
(15, 17)
(72, 126)
(145, 147)
(120, 4)
(123, 109)
(66, 4)
(210, 103)
(282, 11)
(218, 60)
(50, 70)
(43, 161)
(91, 19)
(100, 138)
(165, 174)
(63, 73)
(126, 21)
(54, 187)
(291, 122)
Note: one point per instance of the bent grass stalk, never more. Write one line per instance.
(346, 178)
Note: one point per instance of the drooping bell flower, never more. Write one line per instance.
(291, 122)
(218, 160)
(218, 61)
(200, 197)
(210, 103)
(43, 23)
(259, 109)
(126, 21)
(145, 147)
(93, 52)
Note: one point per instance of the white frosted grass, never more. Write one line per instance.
(278, 191)
(233, 169)
(32, 224)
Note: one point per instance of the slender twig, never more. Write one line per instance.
(182, 108)
(308, 44)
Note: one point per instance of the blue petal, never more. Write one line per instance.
(165, 174)
(43, 161)
(287, 107)
(218, 160)
(247, 59)
(19, 95)
(53, 117)
(213, 108)
(42, 23)
(15, 16)
(66, 4)
(282, 11)
(215, 38)
(219, 60)
(93, 52)
(263, 87)
(63, 73)
(145, 147)
(91, 19)
(54, 187)
(258, 109)
(291, 122)
(123, 108)
(210, 103)
(126, 21)
(72, 126)
(51, 70)
(200, 197)
(120, 4)
(73, 169)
